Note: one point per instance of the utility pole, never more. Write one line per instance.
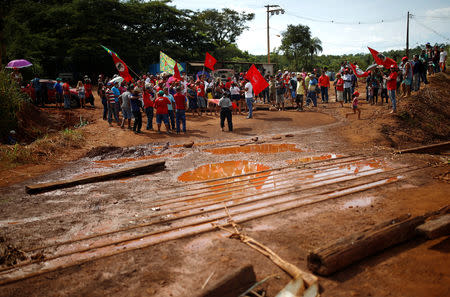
(407, 35)
(277, 9)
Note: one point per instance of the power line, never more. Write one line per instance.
(433, 17)
(382, 21)
(431, 29)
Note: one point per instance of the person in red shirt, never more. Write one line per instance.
(392, 86)
(201, 96)
(180, 109)
(339, 89)
(228, 84)
(66, 94)
(148, 106)
(162, 112)
(324, 84)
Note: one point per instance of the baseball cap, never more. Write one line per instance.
(356, 93)
(161, 93)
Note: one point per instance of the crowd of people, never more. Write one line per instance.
(167, 99)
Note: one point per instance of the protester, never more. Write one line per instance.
(355, 107)
(300, 92)
(249, 98)
(201, 100)
(324, 84)
(180, 109)
(110, 97)
(436, 58)
(126, 108)
(66, 94)
(347, 86)
(170, 109)
(161, 105)
(416, 69)
(136, 105)
(407, 74)
(58, 93)
(280, 87)
(392, 86)
(192, 96)
(443, 59)
(36, 84)
(339, 89)
(17, 76)
(81, 93)
(272, 91)
(101, 92)
(88, 89)
(148, 105)
(225, 111)
(312, 92)
(116, 92)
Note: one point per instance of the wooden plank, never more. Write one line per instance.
(132, 171)
(435, 228)
(327, 260)
(437, 147)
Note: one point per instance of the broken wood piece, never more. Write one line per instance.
(120, 173)
(436, 227)
(188, 144)
(327, 260)
(231, 285)
(289, 135)
(432, 148)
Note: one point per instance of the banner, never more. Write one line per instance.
(380, 59)
(210, 61)
(257, 80)
(167, 64)
(358, 72)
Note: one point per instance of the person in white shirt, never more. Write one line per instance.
(347, 86)
(249, 98)
(235, 92)
(443, 59)
(226, 105)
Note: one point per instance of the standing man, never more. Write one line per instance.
(170, 109)
(324, 84)
(180, 109)
(162, 112)
(148, 106)
(110, 97)
(392, 87)
(201, 96)
(225, 111)
(136, 104)
(300, 92)
(58, 93)
(116, 92)
(37, 90)
(407, 77)
(347, 86)
(249, 98)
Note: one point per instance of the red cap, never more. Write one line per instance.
(393, 66)
(356, 93)
(405, 58)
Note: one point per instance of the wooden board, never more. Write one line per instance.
(435, 228)
(327, 260)
(132, 171)
(432, 148)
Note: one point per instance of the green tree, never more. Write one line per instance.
(223, 27)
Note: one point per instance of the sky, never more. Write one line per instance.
(344, 27)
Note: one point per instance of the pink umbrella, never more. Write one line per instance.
(18, 64)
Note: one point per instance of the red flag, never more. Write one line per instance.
(257, 80)
(176, 73)
(122, 68)
(380, 59)
(358, 72)
(210, 61)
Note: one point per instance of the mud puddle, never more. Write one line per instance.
(265, 148)
(314, 158)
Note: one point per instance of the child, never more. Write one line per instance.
(355, 105)
(81, 93)
(225, 111)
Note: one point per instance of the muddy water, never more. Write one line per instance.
(110, 163)
(225, 169)
(314, 158)
(265, 148)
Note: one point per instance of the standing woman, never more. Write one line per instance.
(81, 93)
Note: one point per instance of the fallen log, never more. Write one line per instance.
(132, 171)
(327, 260)
(432, 148)
(436, 227)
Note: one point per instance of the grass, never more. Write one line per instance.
(43, 148)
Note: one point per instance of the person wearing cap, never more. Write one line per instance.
(192, 97)
(126, 107)
(249, 98)
(35, 83)
(392, 86)
(101, 92)
(436, 57)
(136, 105)
(280, 87)
(162, 112)
(88, 91)
(312, 95)
(66, 94)
(407, 77)
(429, 57)
(417, 67)
(225, 111)
(272, 91)
(170, 109)
(58, 93)
(148, 105)
(180, 109)
(116, 92)
(355, 107)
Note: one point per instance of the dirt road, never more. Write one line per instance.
(310, 178)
